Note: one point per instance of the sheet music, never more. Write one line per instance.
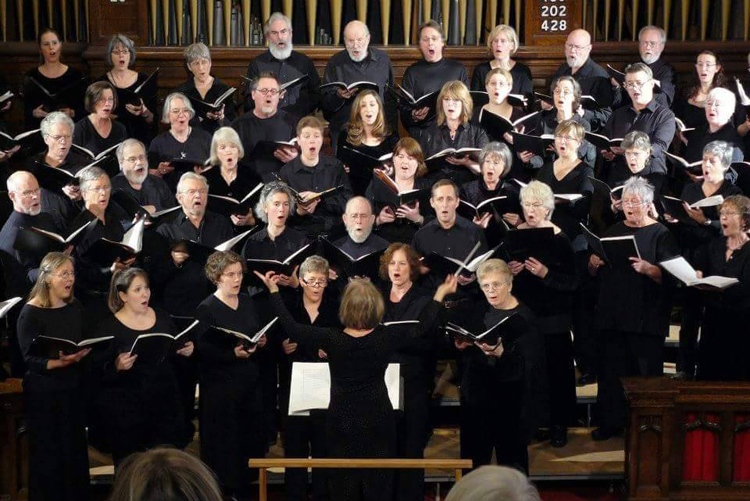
(310, 387)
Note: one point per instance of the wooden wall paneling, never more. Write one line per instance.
(129, 18)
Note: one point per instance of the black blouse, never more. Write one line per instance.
(137, 126)
(630, 301)
(143, 373)
(522, 80)
(216, 349)
(217, 89)
(402, 229)
(549, 298)
(165, 147)
(33, 96)
(360, 177)
(86, 135)
(711, 260)
(437, 138)
(65, 323)
(569, 215)
(692, 236)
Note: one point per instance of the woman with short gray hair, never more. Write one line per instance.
(632, 311)
(545, 282)
(494, 483)
(203, 88)
(702, 226)
(637, 154)
(135, 111)
(495, 162)
(92, 275)
(181, 141)
(277, 240)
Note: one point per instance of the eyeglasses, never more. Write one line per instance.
(361, 217)
(727, 213)
(120, 52)
(109, 100)
(451, 100)
(181, 111)
(566, 138)
(635, 153)
(139, 158)
(494, 163)
(492, 286)
(501, 84)
(355, 42)
(576, 47)
(265, 92)
(632, 203)
(714, 104)
(192, 193)
(532, 205)
(563, 93)
(100, 189)
(434, 39)
(650, 44)
(61, 138)
(29, 193)
(65, 275)
(315, 283)
(635, 85)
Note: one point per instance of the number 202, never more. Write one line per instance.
(554, 10)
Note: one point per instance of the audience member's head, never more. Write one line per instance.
(165, 475)
(494, 483)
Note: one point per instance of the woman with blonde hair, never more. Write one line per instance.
(503, 43)
(367, 133)
(454, 129)
(227, 178)
(141, 397)
(360, 421)
(569, 175)
(53, 385)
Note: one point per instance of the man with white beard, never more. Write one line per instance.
(265, 124)
(360, 241)
(151, 191)
(357, 63)
(593, 79)
(287, 64)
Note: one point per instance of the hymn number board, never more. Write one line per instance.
(548, 22)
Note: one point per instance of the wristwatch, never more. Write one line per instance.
(707, 222)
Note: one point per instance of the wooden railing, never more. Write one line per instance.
(400, 464)
(687, 440)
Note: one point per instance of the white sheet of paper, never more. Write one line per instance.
(310, 387)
